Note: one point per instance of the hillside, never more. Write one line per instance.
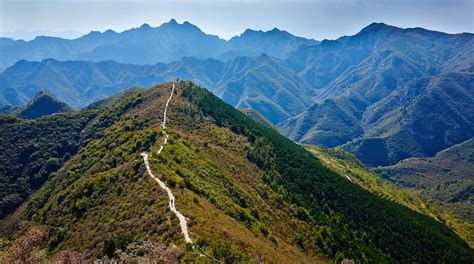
(247, 193)
(42, 104)
(168, 42)
(265, 84)
(346, 165)
(32, 149)
(372, 93)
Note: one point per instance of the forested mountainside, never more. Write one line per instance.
(393, 97)
(42, 104)
(149, 45)
(270, 200)
(30, 150)
(347, 166)
(386, 94)
(452, 204)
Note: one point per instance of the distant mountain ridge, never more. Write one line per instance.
(448, 177)
(373, 93)
(263, 83)
(386, 93)
(149, 45)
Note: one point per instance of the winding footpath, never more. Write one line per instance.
(349, 178)
(182, 219)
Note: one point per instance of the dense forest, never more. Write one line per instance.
(32, 149)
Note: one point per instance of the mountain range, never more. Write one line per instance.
(263, 83)
(388, 93)
(149, 45)
(372, 93)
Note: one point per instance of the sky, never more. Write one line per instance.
(318, 19)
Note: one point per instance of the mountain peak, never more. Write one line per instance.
(377, 24)
(250, 31)
(43, 104)
(375, 27)
(49, 61)
(275, 29)
(145, 26)
(109, 31)
(172, 22)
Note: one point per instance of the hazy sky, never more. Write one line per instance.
(316, 19)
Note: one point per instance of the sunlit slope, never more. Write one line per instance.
(247, 192)
(347, 166)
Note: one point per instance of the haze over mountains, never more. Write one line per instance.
(262, 82)
(148, 45)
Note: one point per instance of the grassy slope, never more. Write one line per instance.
(346, 164)
(269, 198)
(105, 190)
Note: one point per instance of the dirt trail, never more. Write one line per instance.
(182, 219)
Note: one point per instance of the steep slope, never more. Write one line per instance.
(247, 193)
(42, 104)
(265, 84)
(32, 149)
(346, 165)
(382, 85)
(321, 64)
(262, 82)
(330, 124)
(418, 120)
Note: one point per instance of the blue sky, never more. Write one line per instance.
(316, 19)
